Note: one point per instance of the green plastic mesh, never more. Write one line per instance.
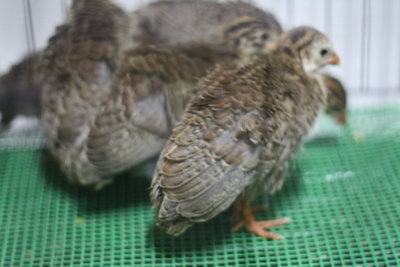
(343, 196)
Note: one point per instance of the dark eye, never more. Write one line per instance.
(324, 52)
(236, 42)
(264, 36)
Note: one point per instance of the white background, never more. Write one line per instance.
(365, 33)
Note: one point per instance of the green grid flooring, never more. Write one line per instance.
(343, 197)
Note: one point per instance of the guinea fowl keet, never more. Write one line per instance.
(236, 136)
(234, 25)
(336, 102)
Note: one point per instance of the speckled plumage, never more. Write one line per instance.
(20, 87)
(237, 25)
(238, 134)
(79, 62)
(167, 21)
(152, 88)
(107, 107)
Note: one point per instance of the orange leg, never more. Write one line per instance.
(238, 209)
(256, 227)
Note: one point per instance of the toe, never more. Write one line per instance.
(273, 223)
(258, 229)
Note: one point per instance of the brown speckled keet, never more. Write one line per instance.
(236, 25)
(236, 137)
(336, 103)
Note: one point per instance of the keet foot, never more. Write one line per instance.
(256, 227)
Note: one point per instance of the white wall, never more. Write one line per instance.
(366, 34)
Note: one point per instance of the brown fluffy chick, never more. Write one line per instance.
(336, 99)
(150, 91)
(236, 25)
(20, 89)
(79, 62)
(236, 137)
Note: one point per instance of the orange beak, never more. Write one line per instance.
(341, 119)
(334, 60)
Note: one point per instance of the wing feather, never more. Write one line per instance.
(126, 132)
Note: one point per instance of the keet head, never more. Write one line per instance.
(312, 47)
(249, 36)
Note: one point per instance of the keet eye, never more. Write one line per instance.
(324, 52)
(264, 36)
(237, 42)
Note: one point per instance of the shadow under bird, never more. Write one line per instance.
(237, 135)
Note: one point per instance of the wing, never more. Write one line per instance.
(215, 153)
(151, 90)
(128, 129)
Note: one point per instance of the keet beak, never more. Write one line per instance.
(341, 119)
(334, 60)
